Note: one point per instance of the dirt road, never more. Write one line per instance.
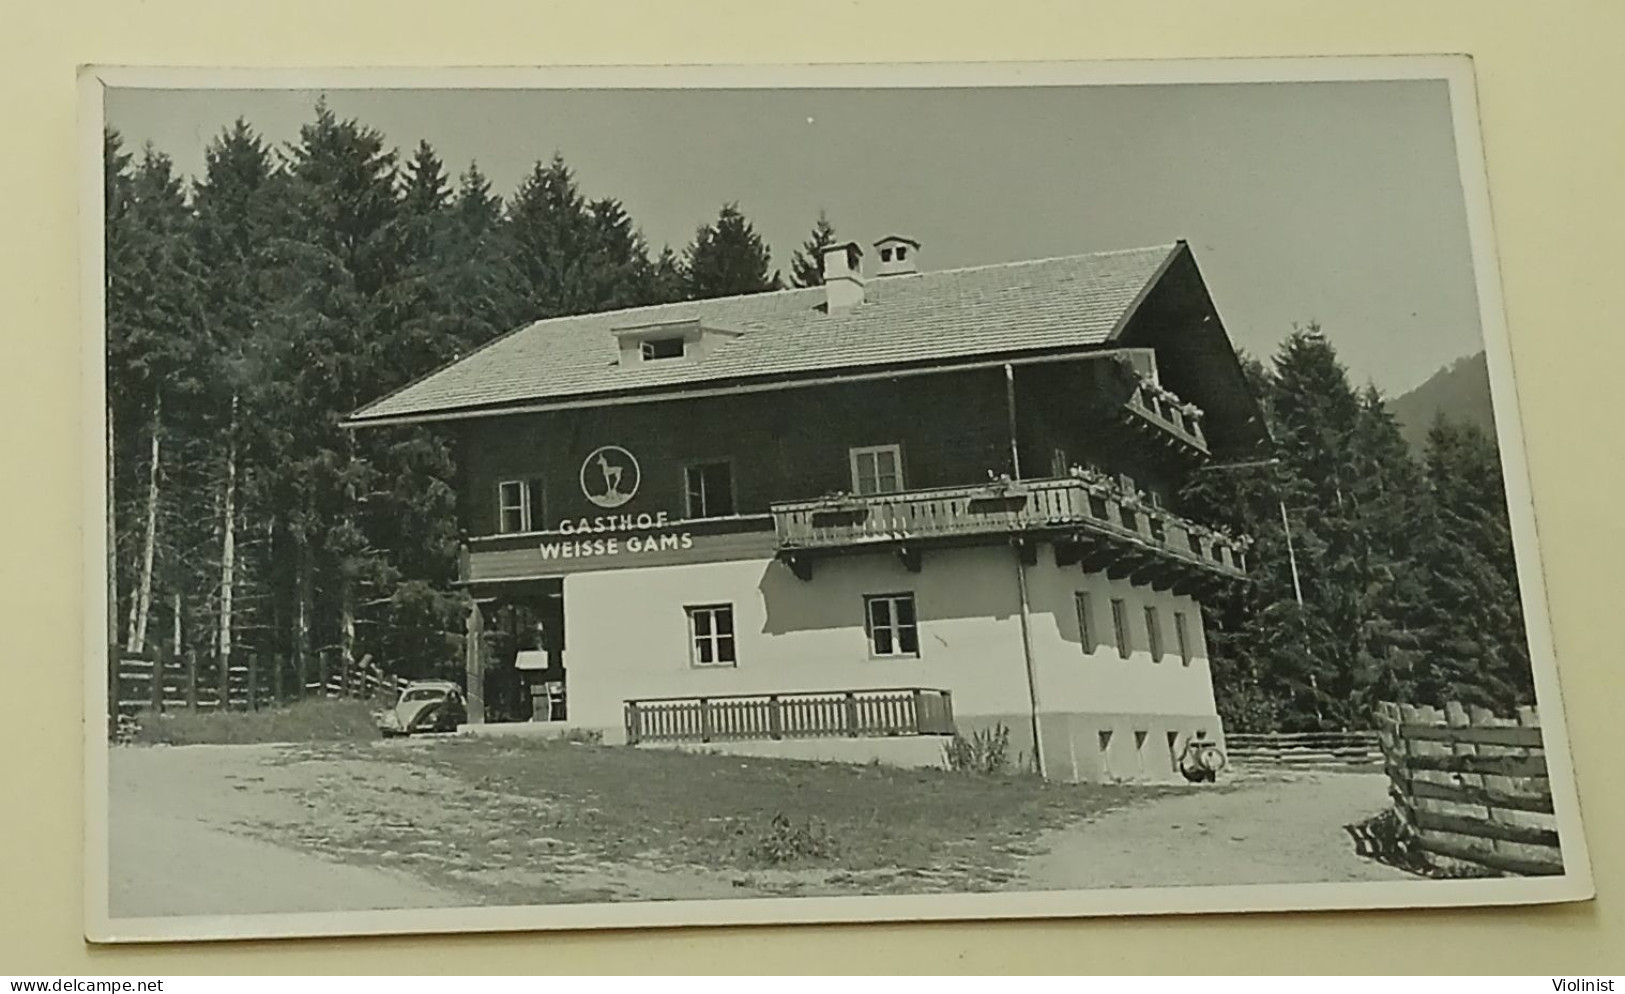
(174, 847)
(1268, 828)
(210, 830)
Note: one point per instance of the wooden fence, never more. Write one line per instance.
(162, 681)
(1309, 750)
(790, 716)
(1471, 787)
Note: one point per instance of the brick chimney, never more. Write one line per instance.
(843, 276)
(899, 256)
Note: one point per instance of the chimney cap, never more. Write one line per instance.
(897, 238)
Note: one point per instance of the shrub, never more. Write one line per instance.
(987, 751)
(1383, 837)
(788, 842)
(318, 720)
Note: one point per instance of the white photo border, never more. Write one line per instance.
(1455, 70)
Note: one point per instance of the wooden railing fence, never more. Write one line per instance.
(1471, 787)
(163, 681)
(790, 716)
(1305, 749)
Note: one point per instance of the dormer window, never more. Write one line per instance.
(662, 348)
(680, 341)
(898, 256)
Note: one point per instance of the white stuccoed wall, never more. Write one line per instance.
(627, 637)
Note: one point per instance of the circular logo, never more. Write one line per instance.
(610, 476)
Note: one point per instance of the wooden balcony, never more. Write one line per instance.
(1090, 524)
(742, 717)
(1155, 412)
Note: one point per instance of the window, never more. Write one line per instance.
(711, 635)
(1086, 620)
(1120, 626)
(1183, 636)
(893, 630)
(902, 253)
(519, 506)
(661, 348)
(710, 489)
(885, 255)
(1153, 634)
(877, 469)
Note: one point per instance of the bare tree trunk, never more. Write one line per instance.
(228, 541)
(301, 614)
(141, 605)
(347, 634)
(175, 610)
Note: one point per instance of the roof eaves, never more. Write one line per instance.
(730, 385)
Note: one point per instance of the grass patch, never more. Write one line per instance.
(319, 720)
(721, 812)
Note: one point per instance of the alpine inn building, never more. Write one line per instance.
(850, 520)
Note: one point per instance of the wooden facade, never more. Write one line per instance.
(950, 429)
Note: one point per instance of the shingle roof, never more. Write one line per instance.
(959, 314)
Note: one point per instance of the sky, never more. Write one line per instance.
(1338, 203)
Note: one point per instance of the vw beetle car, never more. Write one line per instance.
(424, 706)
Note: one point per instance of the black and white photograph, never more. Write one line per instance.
(657, 496)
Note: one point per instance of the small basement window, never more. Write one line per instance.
(662, 348)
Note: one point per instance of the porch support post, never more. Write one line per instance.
(1010, 417)
(1027, 656)
(474, 662)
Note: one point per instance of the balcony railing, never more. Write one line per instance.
(1067, 510)
(1152, 405)
(826, 714)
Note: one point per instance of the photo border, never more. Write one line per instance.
(1455, 70)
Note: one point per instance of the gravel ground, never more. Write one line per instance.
(208, 830)
(1264, 828)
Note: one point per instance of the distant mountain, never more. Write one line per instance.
(1459, 391)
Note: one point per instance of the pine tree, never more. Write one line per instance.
(807, 265)
(575, 257)
(1474, 647)
(728, 257)
(345, 252)
(668, 279)
(154, 327)
(237, 227)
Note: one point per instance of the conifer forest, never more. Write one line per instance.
(252, 308)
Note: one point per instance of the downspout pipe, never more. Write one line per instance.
(1021, 582)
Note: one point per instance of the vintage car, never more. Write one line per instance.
(424, 706)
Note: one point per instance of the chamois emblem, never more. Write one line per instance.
(610, 476)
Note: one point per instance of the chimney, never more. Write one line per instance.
(899, 256)
(843, 276)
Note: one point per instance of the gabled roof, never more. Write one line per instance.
(918, 319)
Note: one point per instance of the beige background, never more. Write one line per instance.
(1556, 144)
